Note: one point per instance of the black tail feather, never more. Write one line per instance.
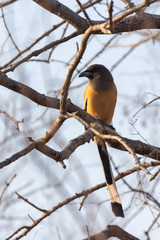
(117, 209)
(115, 199)
(105, 162)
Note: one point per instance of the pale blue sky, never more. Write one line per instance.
(135, 77)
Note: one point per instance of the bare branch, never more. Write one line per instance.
(77, 195)
(128, 3)
(49, 152)
(131, 18)
(110, 11)
(6, 3)
(12, 119)
(148, 195)
(134, 9)
(104, 47)
(144, 106)
(54, 128)
(17, 155)
(83, 200)
(138, 146)
(44, 35)
(6, 186)
(151, 226)
(41, 50)
(28, 92)
(72, 67)
(112, 231)
(152, 36)
(17, 231)
(155, 175)
(120, 23)
(115, 136)
(32, 44)
(27, 201)
(137, 22)
(84, 12)
(74, 143)
(64, 12)
(9, 34)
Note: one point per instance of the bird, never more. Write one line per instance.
(100, 99)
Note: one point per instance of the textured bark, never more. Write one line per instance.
(139, 21)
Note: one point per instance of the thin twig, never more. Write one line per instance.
(137, 132)
(41, 50)
(84, 12)
(104, 47)
(32, 45)
(6, 186)
(150, 227)
(133, 47)
(17, 155)
(45, 34)
(110, 12)
(10, 35)
(88, 235)
(6, 3)
(129, 3)
(14, 120)
(62, 36)
(17, 231)
(119, 139)
(130, 150)
(145, 105)
(72, 67)
(27, 201)
(43, 100)
(84, 198)
(148, 195)
(78, 195)
(155, 175)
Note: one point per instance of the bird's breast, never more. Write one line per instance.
(101, 104)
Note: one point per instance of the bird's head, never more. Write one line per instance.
(99, 76)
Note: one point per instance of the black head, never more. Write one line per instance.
(96, 71)
(99, 76)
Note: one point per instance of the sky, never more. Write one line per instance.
(40, 179)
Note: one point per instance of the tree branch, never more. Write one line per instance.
(137, 146)
(87, 5)
(17, 155)
(27, 201)
(76, 196)
(72, 67)
(65, 13)
(112, 231)
(12, 119)
(6, 3)
(7, 184)
(41, 50)
(120, 24)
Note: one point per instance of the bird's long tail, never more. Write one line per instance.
(115, 199)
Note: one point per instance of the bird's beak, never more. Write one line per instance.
(85, 74)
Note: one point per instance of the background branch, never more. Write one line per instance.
(137, 146)
(70, 199)
(112, 231)
(64, 12)
(49, 59)
(6, 3)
